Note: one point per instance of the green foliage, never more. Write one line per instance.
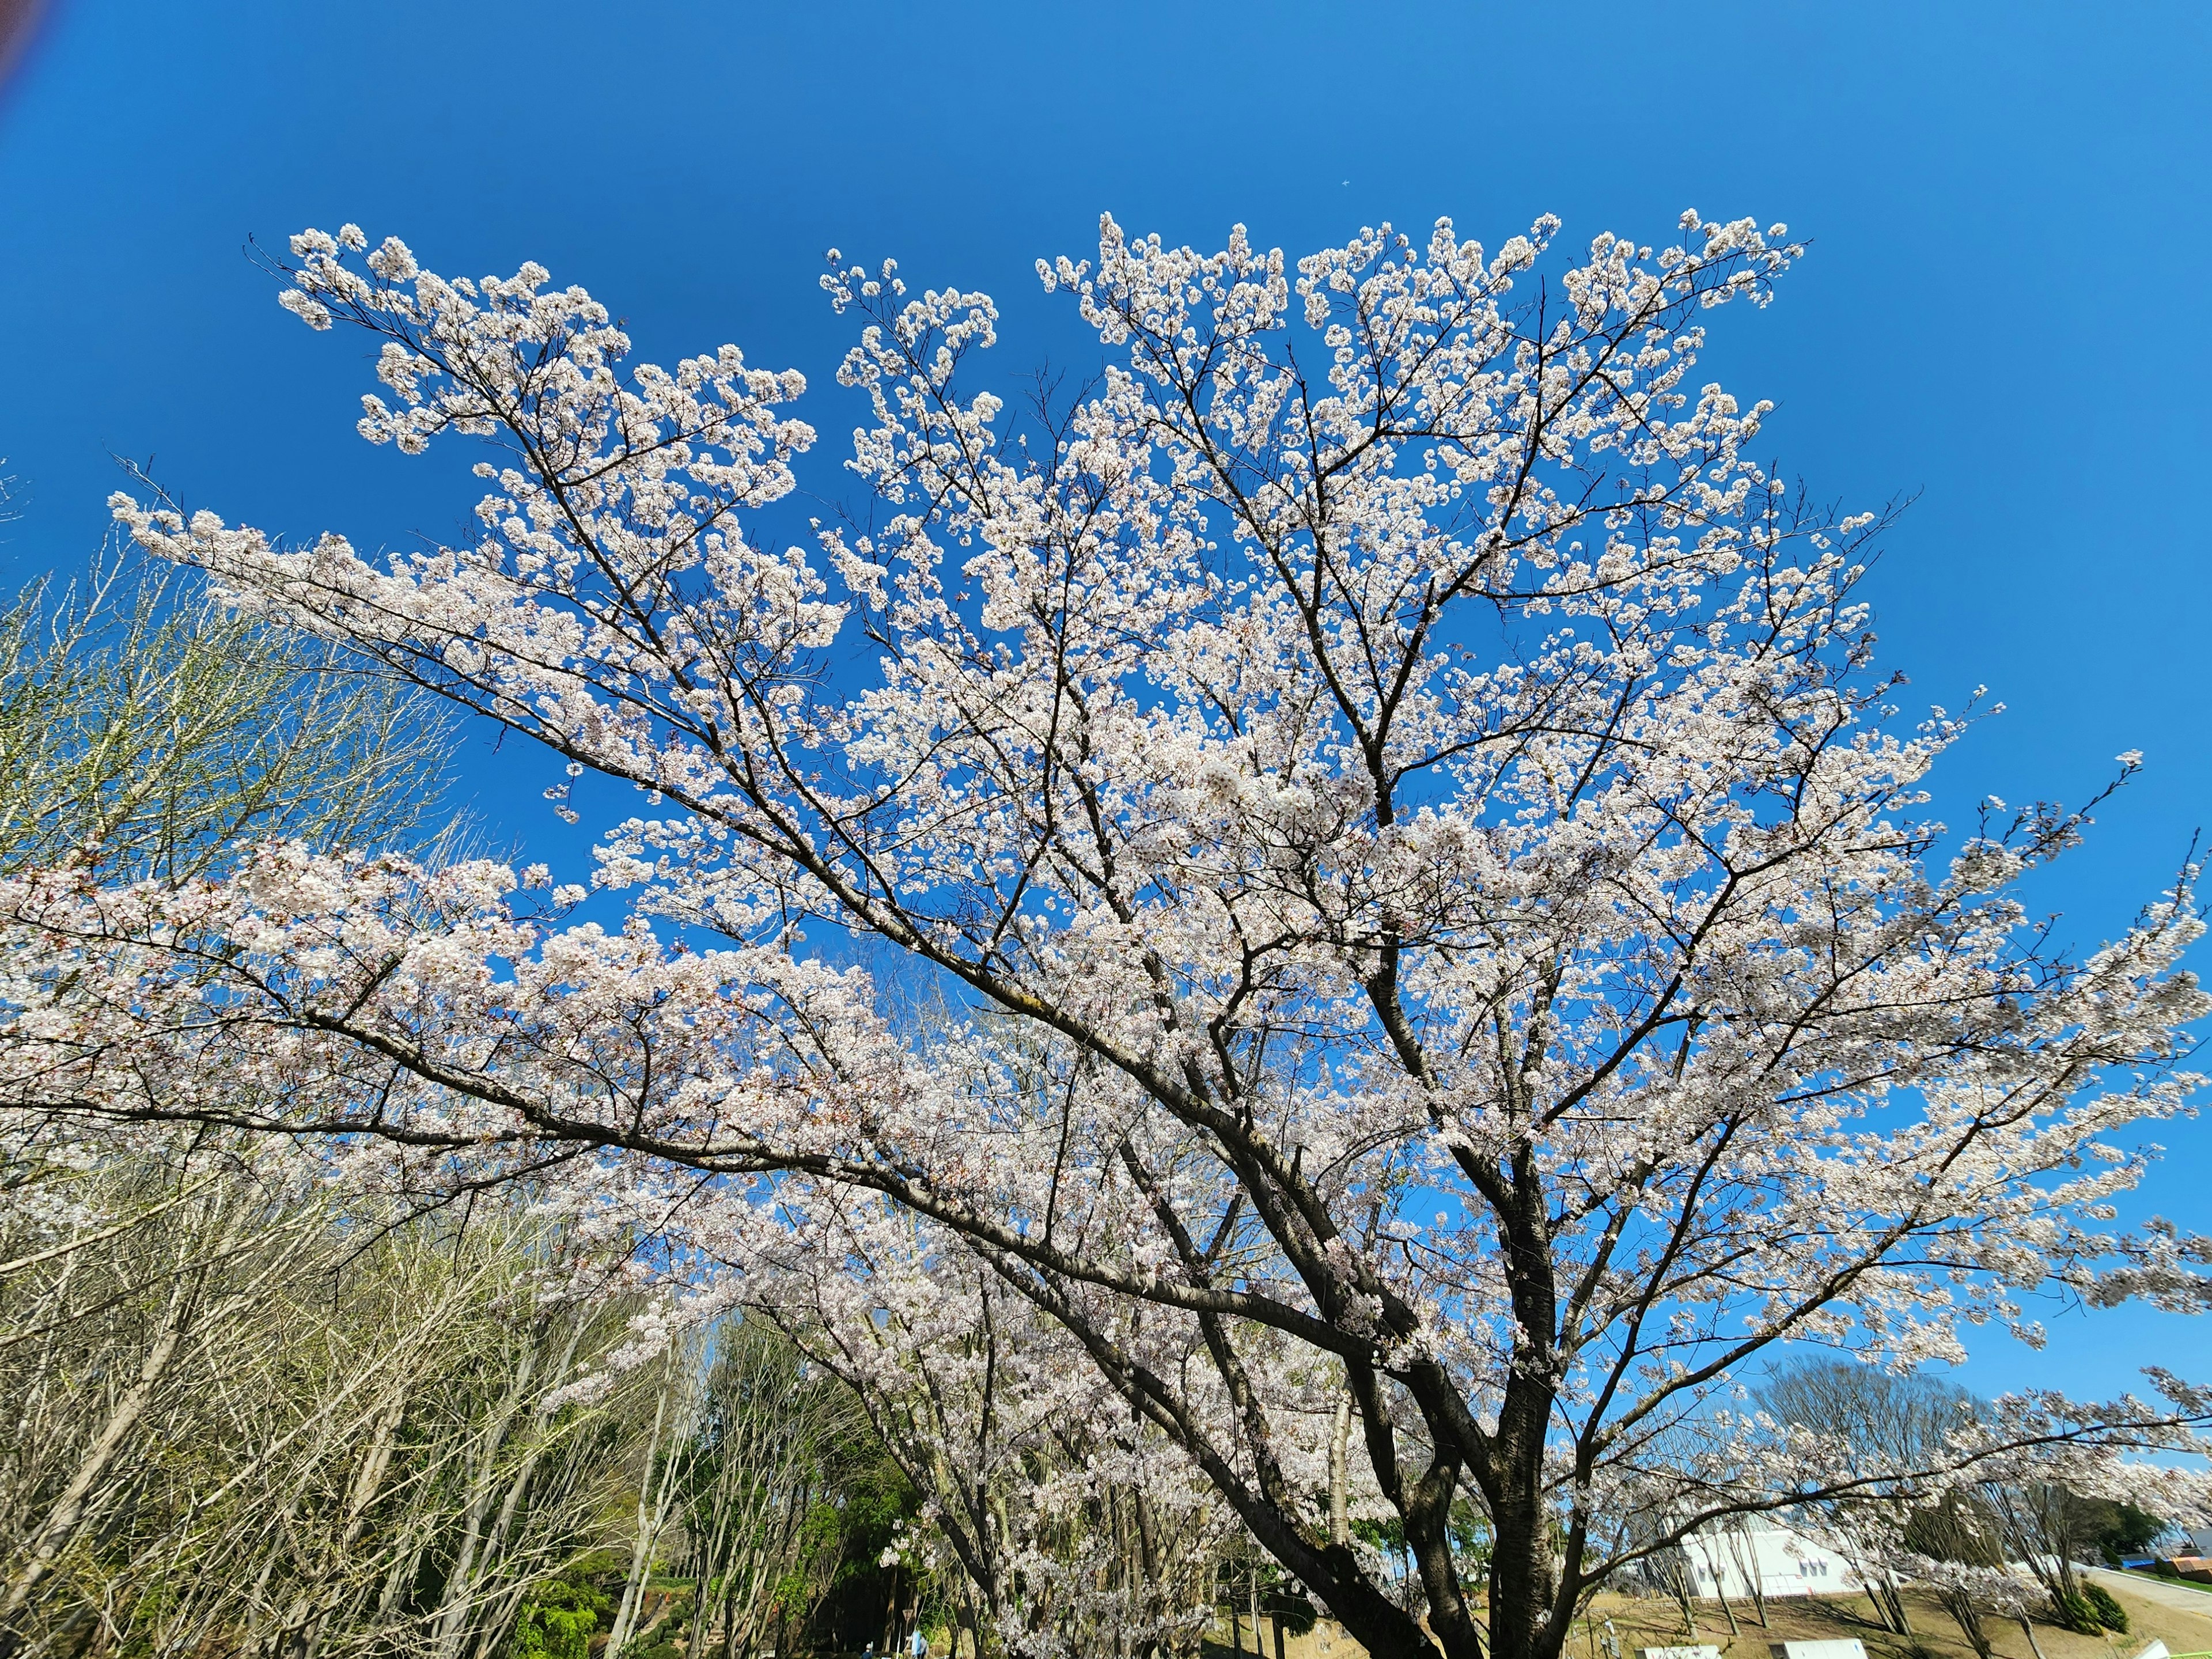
(557, 1620)
(873, 1496)
(2119, 1529)
(665, 1638)
(2077, 1613)
(1388, 1534)
(2109, 1613)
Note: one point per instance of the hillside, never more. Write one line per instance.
(1649, 1621)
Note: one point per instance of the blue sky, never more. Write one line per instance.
(2007, 203)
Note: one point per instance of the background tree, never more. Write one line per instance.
(247, 1411)
(146, 730)
(246, 1414)
(1914, 1511)
(773, 1439)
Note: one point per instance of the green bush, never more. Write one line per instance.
(557, 1622)
(2075, 1614)
(2109, 1613)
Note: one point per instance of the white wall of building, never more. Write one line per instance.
(1724, 1562)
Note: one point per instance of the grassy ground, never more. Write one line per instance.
(1653, 1623)
(1641, 1622)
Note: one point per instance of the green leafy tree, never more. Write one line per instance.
(558, 1620)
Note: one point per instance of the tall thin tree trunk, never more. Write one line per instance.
(1896, 1597)
(316, 1609)
(1745, 1549)
(641, 1549)
(1679, 1577)
(453, 1609)
(518, 1489)
(61, 1521)
(1339, 1440)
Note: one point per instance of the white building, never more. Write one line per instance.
(1725, 1559)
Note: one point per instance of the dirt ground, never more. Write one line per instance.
(1642, 1622)
(1654, 1623)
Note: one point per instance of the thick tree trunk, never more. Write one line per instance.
(1524, 1624)
(1520, 1575)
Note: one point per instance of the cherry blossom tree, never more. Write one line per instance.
(1445, 915)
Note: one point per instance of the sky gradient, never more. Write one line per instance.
(2007, 206)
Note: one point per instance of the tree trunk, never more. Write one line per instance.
(494, 1547)
(1745, 1549)
(1961, 1605)
(366, 1484)
(1340, 1443)
(1678, 1579)
(1894, 1600)
(454, 1605)
(641, 1549)
(1520, 1575)
(61, 1521)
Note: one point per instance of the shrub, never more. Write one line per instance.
(2109, 1613)
(557, 1622)
(2075, 1614)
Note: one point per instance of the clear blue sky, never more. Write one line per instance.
(2008, 205)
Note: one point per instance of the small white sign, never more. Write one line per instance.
(1853, 1649)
